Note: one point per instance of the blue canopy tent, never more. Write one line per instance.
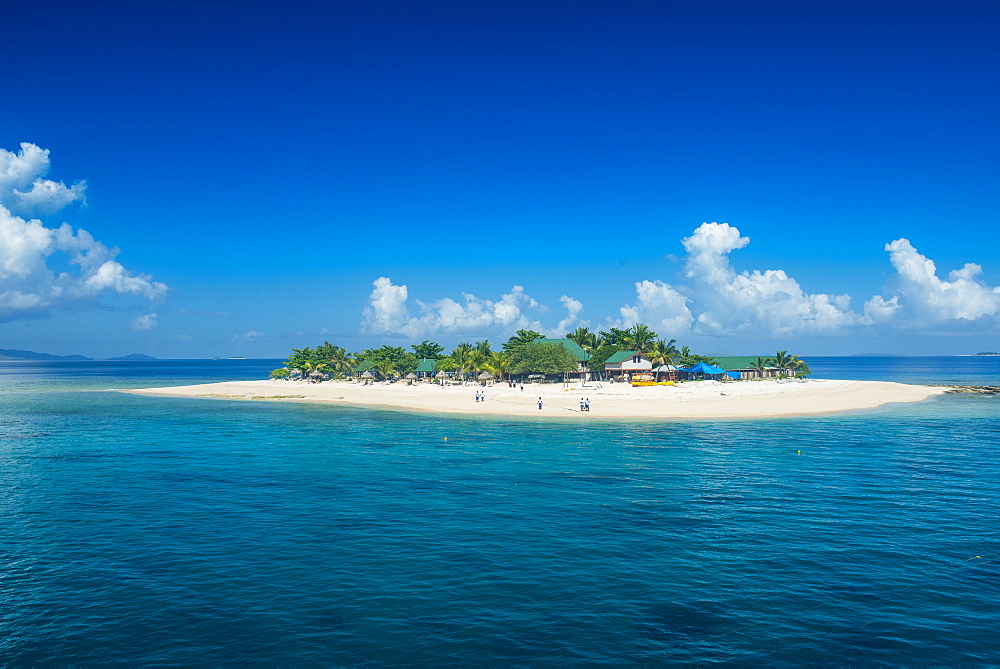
(709, 370)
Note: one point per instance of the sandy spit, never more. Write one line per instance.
(700, 399)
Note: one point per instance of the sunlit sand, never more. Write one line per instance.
(699, 399)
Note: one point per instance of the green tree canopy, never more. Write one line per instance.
(799, 367)
(587, 340)
(640, 338)
(541, 358)
(688, 359)
(521, 338)
(334, 359)
(616, 337)
(761, 364)
(663, 352)
(428, 349)
(600, 355)
(402, 361)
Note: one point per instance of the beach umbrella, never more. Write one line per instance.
(410, 376)
(484, 376)
(441, 375)
(367, 375)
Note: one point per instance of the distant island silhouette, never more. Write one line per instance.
(17, 354)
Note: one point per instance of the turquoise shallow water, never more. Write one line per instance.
(152, 531)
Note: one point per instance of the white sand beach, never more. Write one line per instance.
(701, 399)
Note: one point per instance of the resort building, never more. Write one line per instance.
(425, 368)
(624, 364)
(576, 350)
(743, 365)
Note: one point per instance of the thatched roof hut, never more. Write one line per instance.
(441, 375)
(484, 376)
(367, 375)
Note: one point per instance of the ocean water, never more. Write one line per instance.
(161, 531)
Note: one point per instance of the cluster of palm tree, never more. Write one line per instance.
(468, 358)
(328, 360)
(787, 365)
(639, 338)
(480, 357)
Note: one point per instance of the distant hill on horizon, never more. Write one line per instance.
(16, 354)
(134, 356)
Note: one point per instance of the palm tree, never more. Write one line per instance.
(385, 367)
(478, 360)
(689, 359)
(484, 347)
(640, 338)
(783, 362)
(310, 367)
(663, 352)
(462, 355)
(799, 366)
(761, 365)
(498, 364)
(339, 361)
(586, 339)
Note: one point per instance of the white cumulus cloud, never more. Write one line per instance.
(922, 297)
(714, 298)
(660, 306)
(41, 267)
(25, 192)
(728, 302)
(143, 323)
(389, 313)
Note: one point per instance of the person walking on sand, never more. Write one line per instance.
(581, 405)
(586, 405)
(539, 403)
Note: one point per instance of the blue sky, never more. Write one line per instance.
(261, 166)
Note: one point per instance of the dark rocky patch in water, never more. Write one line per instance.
(974, 390)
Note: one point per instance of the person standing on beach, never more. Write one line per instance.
(539, 403)
(581, 405)
(586, 405)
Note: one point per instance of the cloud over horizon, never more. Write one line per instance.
(43, 268)
(388, 314)
(714, 299)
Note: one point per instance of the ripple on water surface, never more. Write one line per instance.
(147, 531)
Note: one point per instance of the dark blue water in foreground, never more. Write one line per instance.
(155, 531)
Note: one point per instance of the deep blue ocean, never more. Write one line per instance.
(145, 531)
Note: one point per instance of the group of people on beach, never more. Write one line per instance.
(584, 404)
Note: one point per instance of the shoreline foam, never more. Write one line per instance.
(702, 399)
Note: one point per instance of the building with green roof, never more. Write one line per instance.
(625, 363)
(743, 365)
(570, 346)
(575, 350)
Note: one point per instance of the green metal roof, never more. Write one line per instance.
(620, 356)
(734, 362)
(569, 345)
(426, 365)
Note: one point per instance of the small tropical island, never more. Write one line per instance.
(614, 374)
